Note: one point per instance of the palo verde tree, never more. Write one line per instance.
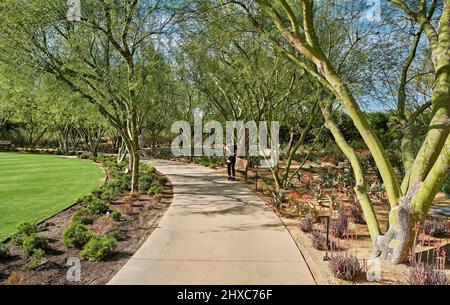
(297, 25)
(106, 58)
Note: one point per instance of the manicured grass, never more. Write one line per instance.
(35, 187)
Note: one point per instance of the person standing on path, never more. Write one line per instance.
(231, 161)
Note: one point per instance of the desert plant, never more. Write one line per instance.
(98, 207)
(306, 223)
(33, 242)
(77, 234)
(37, 259)
(115, 215)
(98, 248)
(83, 216)
(356, 214)
(435, 227)
(426, 274)
(339, 227)
(344, 266)
(329, 178)
(319, 241)
(4, 251)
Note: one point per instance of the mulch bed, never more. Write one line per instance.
(137, 223)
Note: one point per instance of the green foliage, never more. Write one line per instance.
(83, 216)
(77, 234)
(4, 251)
(36, 260)
(33, 242)
(26, 228)
(146, 180)
(155, 189)
(115, 215)
(163, 180)
(107, 195)
(98, 207)
(23, 231)
(98, 248)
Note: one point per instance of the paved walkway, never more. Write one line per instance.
(215, 232)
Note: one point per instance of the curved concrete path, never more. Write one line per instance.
(215, 232)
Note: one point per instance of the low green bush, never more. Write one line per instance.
(77, 234)
(36, 259)
(163, 180)
(125, 182)
(107, 195)
(83, 216)
(155, 189)
(98, 207)
(97, 192)
(33, 242)
(17, 239)
(23, 231)
(4, 251)
(26, 228)
(115, 215)
(145, 181)
(98, 247)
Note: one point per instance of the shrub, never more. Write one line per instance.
(339, 227)
(319, 241)
(36, 260)
(107, 196)
(76, 234)
(98, 248)
(147, 169)
(115, 215)
(97, 192)
(344, 266)
(426, 274)
(83, 216)
(26, 228)
(23, 231)
(163, 180)
(34, 242)
(356, 215)
(98, 207)
(306, 223)
(155, 189)
(17, 239)
(4, 251)
(435, 227)
(116, 234)
(125, 182)
(145, 182)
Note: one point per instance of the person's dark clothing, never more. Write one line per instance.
(231, 162)
(231, 165)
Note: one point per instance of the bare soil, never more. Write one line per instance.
(358, 241)
(138, 221)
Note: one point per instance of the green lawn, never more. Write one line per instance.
(35, 187)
